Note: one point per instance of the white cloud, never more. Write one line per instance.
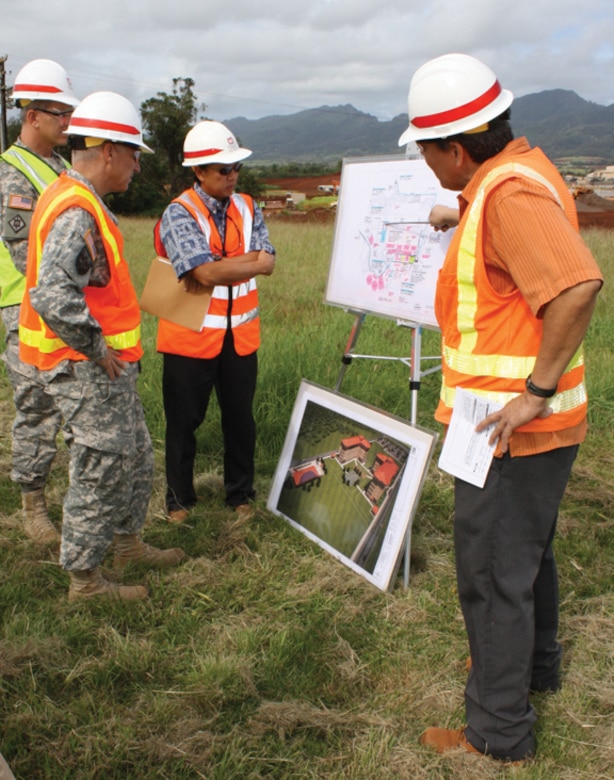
(271, 57)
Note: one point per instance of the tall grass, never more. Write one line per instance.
(262, 657)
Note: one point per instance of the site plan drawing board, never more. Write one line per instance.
(386, 257)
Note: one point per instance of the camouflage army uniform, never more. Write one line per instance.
(37, 420)
(111, 455)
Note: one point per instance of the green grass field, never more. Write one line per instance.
(262, 657)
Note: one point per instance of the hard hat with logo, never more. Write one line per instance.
(109, 116)
(211, 142)
(43, 80)
(455, 93)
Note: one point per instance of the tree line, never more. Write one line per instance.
(167, 118)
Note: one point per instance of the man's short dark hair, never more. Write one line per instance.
(482, 146)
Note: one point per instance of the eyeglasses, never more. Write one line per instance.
(136, 150)
(226, 170)
(55, 112)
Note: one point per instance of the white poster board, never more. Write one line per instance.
(349, 478)
(386, 257)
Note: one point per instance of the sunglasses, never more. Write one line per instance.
(136, 150)
(226, 170)
(55, 112)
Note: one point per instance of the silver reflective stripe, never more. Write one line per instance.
(219, 322)
(220, 292)
(247, 217)
(243, 289)
(203, 222)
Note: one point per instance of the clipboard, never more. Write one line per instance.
(165, 297)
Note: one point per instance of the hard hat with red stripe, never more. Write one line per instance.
(109, 116)
(452, 94)
(43, 80)
(211, 142)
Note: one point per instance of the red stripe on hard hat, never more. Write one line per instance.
(101, 124)
(201, 153)
(460, 112)
(35, 88)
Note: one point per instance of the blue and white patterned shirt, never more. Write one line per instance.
(185, 243)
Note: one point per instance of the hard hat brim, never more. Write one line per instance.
(228, 157)
(502, 103)
(59, 97)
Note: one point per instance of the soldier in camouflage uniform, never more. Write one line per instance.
(87, 348)
(26, 168)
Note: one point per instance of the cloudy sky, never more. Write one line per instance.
(256, 58)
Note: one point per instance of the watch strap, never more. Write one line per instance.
(538, 391)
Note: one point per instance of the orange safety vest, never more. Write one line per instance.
(490, 341)
(234, 306)
(114, 306)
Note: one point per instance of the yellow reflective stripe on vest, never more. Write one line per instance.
(565, 401)
(467, 292)
(500, 366)
(125, 340)
(39, 173)
(36, 339)
(12, 281)
(101, 219)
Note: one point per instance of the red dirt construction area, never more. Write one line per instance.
(593, 210)
(306, 184)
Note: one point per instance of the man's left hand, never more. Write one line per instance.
(517, 412)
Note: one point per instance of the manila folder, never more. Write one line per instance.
(165, 296)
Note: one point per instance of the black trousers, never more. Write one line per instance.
(508, 590)
(186, 389)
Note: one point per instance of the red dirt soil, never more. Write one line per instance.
(593, 211)
(306, 184)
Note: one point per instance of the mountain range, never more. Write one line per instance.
(559, 121)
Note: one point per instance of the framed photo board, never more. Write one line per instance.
(386, 256)
(349, 478)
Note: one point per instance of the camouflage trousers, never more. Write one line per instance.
(111, 460)
(37, 420)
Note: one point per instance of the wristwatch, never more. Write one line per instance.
(538, 391)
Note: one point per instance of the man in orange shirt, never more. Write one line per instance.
(514, 300)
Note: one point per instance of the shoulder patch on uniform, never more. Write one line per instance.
(90, 244)
(17, 224)
(21, 202)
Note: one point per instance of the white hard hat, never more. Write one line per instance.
(452, 94)
(43, 80)
(211, 142)
(110, 116)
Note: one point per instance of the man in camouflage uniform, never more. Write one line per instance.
(26, 168)
(87, 348)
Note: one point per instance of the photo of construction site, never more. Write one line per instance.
(349, 478)
(342, 483)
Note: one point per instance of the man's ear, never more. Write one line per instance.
(458, 151)
(108, 151)
(31, 117)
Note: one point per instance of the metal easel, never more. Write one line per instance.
(413, 362)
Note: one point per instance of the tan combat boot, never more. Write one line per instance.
(89, 584)
(130, 548)
(36, 522)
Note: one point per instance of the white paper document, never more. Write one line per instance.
(466, 454)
